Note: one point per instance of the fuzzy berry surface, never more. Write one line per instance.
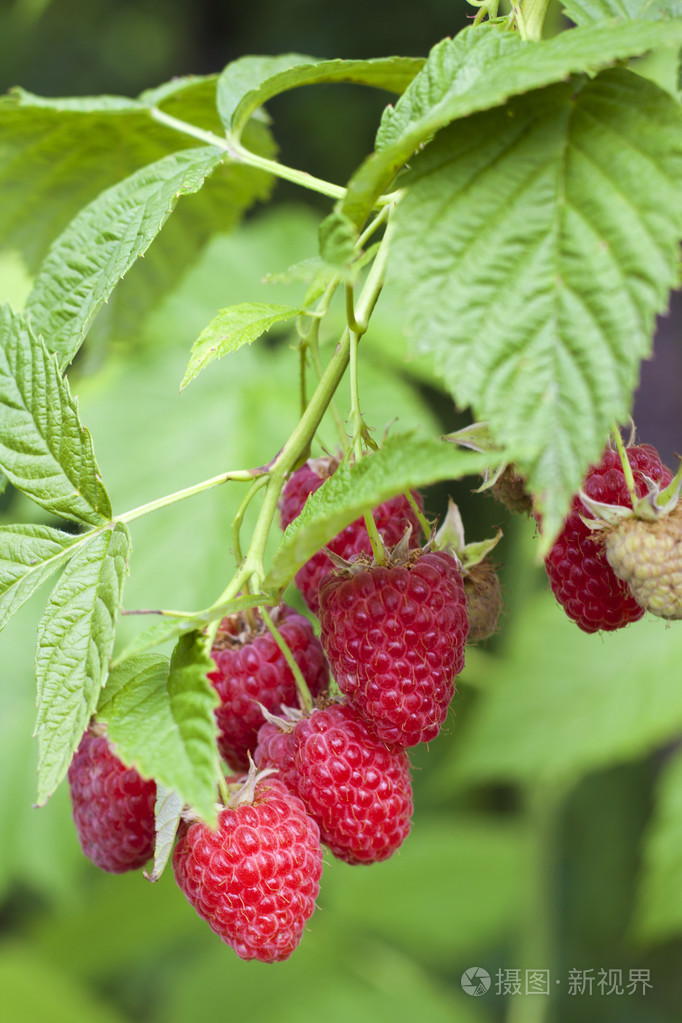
(113, 807)
(357, 789)
(392, 519)
(579, 574)
(648, 557)
(256, 878)
(251, 669)
(394, 638)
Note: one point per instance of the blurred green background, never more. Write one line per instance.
(548, 826)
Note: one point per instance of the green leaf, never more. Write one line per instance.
(658, 914)
(101, 244)
(477, 70)
(589, 12)
(28, 556)
(404, 462)
(172, 628)
(44, 450)
(246, 84)
(162, 721)
(559, 703)
(75, 639)
(533, 251)
(338, 238)
(233, 327)
(55, 148)
(167, 812)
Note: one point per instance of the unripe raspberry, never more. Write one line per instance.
(113, 807)
(251, 670)
(581, 578)
(392, 519)
(394, 636)
(356, 788)
(648, 557)
(254, 879)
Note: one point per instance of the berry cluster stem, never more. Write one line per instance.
(301, 684)
(627, 468)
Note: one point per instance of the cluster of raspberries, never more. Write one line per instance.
(392, 635)
(337, 775)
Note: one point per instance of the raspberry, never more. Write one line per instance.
(254, 879)
(251, 669)
(394, 637)
(392, 519)
(357, 789)
(113, 807)
(648, 557)
(510, 489)
(484, 601)
(581, 578)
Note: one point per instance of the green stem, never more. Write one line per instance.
(304, 694)
(533, 13)
(378, 551)
(239, 154)
(539, 935)
(240, 475)
(627, 468)
(419, 514)
(239, 518)
(298, 444)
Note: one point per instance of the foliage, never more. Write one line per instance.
(520, 215)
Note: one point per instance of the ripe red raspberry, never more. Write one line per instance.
(113, 807)
(255, 879)
(394, 637)
(581, 578)
(392, 519)
(357, 789)
(251, 669)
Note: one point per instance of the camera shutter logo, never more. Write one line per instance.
(475, 981)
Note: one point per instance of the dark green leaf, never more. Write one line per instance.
(75, 639)
(44, 450)
(533, 251)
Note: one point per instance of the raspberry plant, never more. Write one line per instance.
(522, 204)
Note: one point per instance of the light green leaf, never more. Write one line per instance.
(233, 327)
(44, 450)
(479, 69)
(28, 556)
(246, 84)
(101, 244)
(75, 639)
(558, 703)
(172, 628)
(167, 817)
(658, 914)
(162, 721)
(533, 251)
(588, 12)
(338, 237)
(404, 462)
